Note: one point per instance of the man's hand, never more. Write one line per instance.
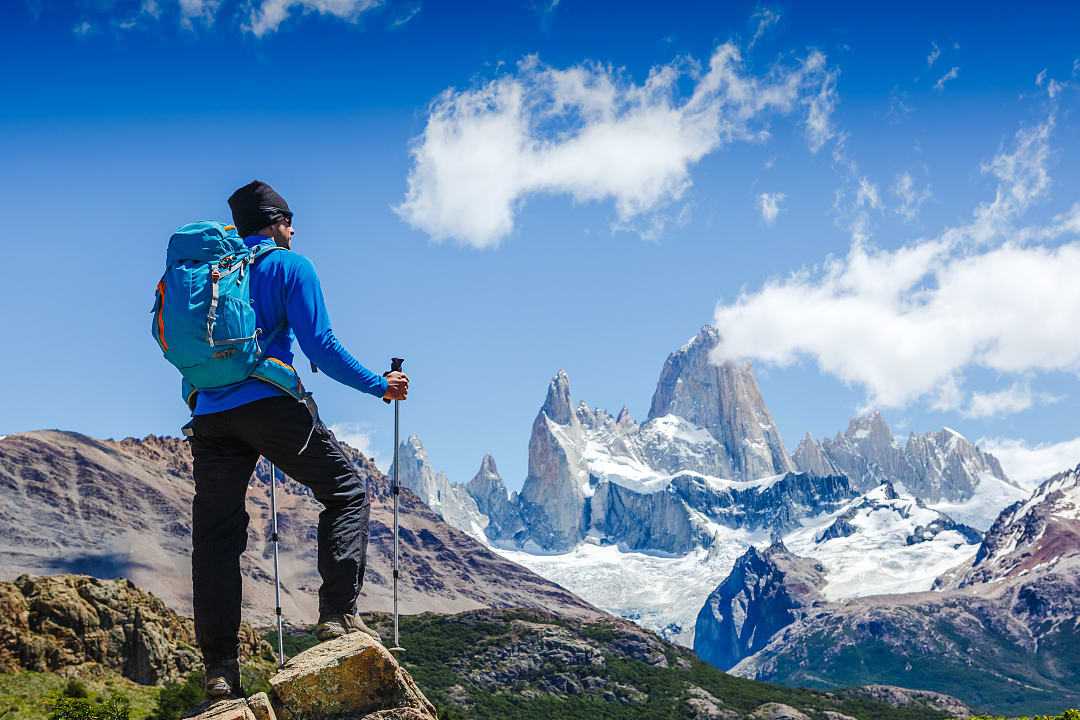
(397, 386)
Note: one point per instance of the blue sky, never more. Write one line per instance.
(877, 205)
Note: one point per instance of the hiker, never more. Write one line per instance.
(273, 417)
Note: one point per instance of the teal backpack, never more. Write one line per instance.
(203, 319)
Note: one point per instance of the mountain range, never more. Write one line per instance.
(999, 631)
(621, 512)
(71, 503)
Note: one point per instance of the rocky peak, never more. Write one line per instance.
(870, 429)
(810, 458)
(557, 404)
(765, 591)
(725, 400)
(490, 495)
(450, 501)
(1033, 535)
(624, 420)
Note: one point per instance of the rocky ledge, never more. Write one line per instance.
(352, 677)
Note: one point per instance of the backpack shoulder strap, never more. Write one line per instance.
(262, 250)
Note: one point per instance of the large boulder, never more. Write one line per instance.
(353, 676)
(256, 707)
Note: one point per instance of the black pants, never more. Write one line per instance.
(225, 448)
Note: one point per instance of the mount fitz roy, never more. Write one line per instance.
(646, 519)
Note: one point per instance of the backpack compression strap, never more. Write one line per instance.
(216, 276)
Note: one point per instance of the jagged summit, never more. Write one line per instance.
(451, 501)
(811, 458)
(557, 404)
(725, 400)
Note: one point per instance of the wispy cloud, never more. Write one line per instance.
(83, 28)
(1031, 463)
(911, 197)
(904, 324)
(1013, 399)
(268, 15)
(589, 132)
(406, 17)
(769, 205)
(764, 18)
(935, 53)
(954, 72)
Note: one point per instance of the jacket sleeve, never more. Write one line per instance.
(306, 312)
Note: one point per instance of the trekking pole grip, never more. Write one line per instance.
(395, 366)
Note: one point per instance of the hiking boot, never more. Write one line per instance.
(338, 624)
(223, 681)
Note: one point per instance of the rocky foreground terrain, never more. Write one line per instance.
(71, 503)
(493, 664)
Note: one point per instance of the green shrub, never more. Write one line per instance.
(175, 699)
(116, 707)
(75, 688)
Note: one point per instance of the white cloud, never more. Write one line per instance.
(820, 107)
(1030, 464)
(83, 28)
(269, 14)
(868, 195)
(765, 19)
(589, 132)
(954, 72)
(911, 197)
(935, 53)
(1013, 399)
(905, 323)
(769, 205)
(1076, 67)
(356, 435)
(201, 10)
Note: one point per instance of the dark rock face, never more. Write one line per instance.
(49, 623)
(725, 400)
(644, 521)
(765, 592)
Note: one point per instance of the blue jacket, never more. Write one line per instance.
(285, 287)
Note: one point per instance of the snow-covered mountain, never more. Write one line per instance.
(655, 487)
(942, 468)
(1032, 535)
(450, 501)
(1001, 629)
(645, 519)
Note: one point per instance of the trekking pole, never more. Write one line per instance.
(277, 576)
(395, 366)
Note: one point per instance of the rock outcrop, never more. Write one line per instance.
(766, 591)
(72, 621)
(353, 676)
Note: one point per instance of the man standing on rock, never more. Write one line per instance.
(274, 418)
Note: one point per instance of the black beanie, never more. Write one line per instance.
(255, 206)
